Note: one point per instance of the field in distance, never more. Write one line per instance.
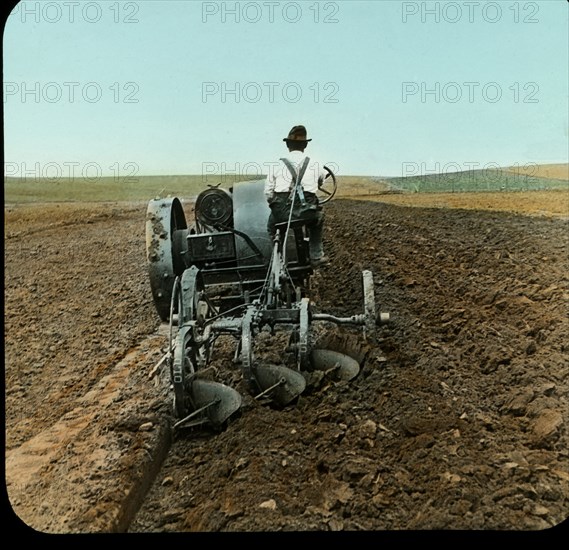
(530, 189)
(109, 188)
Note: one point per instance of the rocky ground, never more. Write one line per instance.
(457, 420)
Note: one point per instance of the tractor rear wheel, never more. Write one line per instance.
(166, 229)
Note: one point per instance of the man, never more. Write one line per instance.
(280, 191)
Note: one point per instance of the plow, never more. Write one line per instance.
(225, 275)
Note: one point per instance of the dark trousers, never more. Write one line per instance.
(311, 213)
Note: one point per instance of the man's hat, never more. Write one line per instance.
(297, 133)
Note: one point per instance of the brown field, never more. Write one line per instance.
(553, 171)
(535, 203)
(458, 419)
(552, 203)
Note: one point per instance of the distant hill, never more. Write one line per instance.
(532, 177)
(143, 188)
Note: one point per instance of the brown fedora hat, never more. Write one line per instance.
(297, 133)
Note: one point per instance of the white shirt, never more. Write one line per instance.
(279, 178)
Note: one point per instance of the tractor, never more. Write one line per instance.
(226, 275)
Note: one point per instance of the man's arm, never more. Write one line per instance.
(270, 186)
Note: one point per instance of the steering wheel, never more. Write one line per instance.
(327, 189)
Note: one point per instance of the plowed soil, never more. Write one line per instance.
(456, 421)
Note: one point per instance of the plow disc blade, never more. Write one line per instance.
(216, 401)
(279, 383)
(339, 365)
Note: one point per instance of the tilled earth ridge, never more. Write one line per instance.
(456, 421)
(80, 339)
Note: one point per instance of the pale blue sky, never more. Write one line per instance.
(384, 87)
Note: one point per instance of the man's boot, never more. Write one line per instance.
(317, 257)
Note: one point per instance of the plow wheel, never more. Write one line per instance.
(166, 229)
(213, 403)
(186, 351)
(274, 383)
(182, 371)
(279, 384)
(196, 400)
(340, 353)
(339, 366)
